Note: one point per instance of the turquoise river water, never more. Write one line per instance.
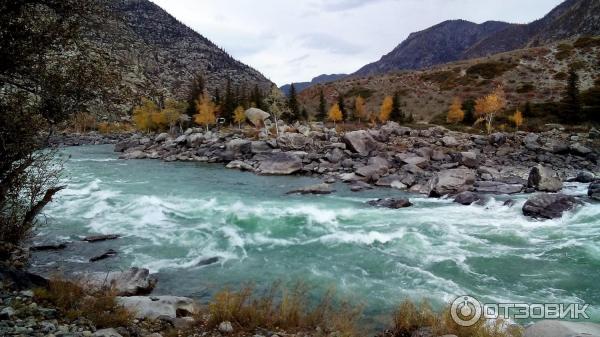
(173, 216)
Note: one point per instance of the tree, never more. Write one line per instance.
(322, 106)
(305, 115)
(342, 106)
(359, 108)
(335, 114)
(396, 114)
(229, 102)
(571, 103)
(527, 111)
(487, 107)
(239, 116)
(172, 113)
(143, 115)
(294, 108)
(197, 87)
(256, 98)
(517, 118)
(276, 103)
(468, 107)
(386, 109)
(205, 109)
(455, 113)
(47, 74)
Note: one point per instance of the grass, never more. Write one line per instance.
(410, 317)
(280, 309)
(74, 301)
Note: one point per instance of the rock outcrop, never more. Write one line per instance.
(131, 282)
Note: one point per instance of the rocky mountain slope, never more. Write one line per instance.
(158, 56)
(535, 74)
(325, 78)
(459, 40)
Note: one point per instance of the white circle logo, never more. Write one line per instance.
(465, 311)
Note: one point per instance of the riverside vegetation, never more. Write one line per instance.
(265, 133)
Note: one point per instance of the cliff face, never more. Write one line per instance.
(459, 40)
(158, 56)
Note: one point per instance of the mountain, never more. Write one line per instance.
(317, 80)
(158, 56)
(458, 39)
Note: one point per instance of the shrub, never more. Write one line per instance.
(359, 91)
(525, 88)
(74, 301)
(587, 42)
(490, 70)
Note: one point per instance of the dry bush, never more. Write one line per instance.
(74, 301)
(410, 317)
(83, 122)
(289, 310)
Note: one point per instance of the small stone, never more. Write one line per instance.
(7, 313)
(226, 327)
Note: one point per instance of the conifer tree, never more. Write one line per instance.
(396, 114)
(527, 110)
(322, 106)
(229, 103)
(196, 89)
(571, 104)
(294, 109)
(342, 106)
(468, 107)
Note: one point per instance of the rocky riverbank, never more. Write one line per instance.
(433, 161)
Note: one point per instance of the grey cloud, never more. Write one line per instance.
(342, 5)
(329, 43)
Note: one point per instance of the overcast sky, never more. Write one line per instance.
(295, 40)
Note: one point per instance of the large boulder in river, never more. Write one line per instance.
(282, 163)
(256, 116)
(594, 190)
(466, 198)
(313, 189)
(451, 181)
(155, 306)
(544, 179)
(131, 282)
(390, 203)
(360, 142)
(549, 206)
(555, 328)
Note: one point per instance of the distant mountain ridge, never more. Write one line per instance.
(158, 56)
(459, 39)
(324, 78)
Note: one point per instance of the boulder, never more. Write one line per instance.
(360, 142)
(555, 328)
(466, 198)
(497, 187)
(161, 137)
(110, 332)
(239, 165)
(260, 146)
(194, 140)
(594, 190)
(390, 203)
(584, 177)
(449, 141)
(557, 146)
(469, 159)
(421, 162)
(256, 116)
(152, 307)
(280, 164)
(594, 134)
(451, 181)
(497, 138)
(126, 144)
(579, 149)
(293, 141)
(238, 147)
(133, 155)
(131, 282)
(335, 155)
(105, 255)
(544, 179)
(548, 206)
(313, 189)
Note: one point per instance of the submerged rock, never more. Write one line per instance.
(549, 206)
(48, 246)
(96, 238)
(313, 189)
(390, 203)
(467, 198)
(544, 179)
(594, 190)
(497, 187)
(105, 255)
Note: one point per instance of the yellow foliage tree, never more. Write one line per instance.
(142, 115)
(335, 114)
(359, 108)
(517, 118)
(239, 116)
(172, 113)
(456, 113)
(487, 107)
(386, 109)
(205, 109)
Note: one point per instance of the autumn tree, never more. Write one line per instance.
(239, 116)
(144, 115)
(322, 106)
(455, 113)
(173, 112)
(517, 118)
(487, 107)
(359, 108)
(335, 114)
(386, 109)
(205, 111)
(277, 105)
